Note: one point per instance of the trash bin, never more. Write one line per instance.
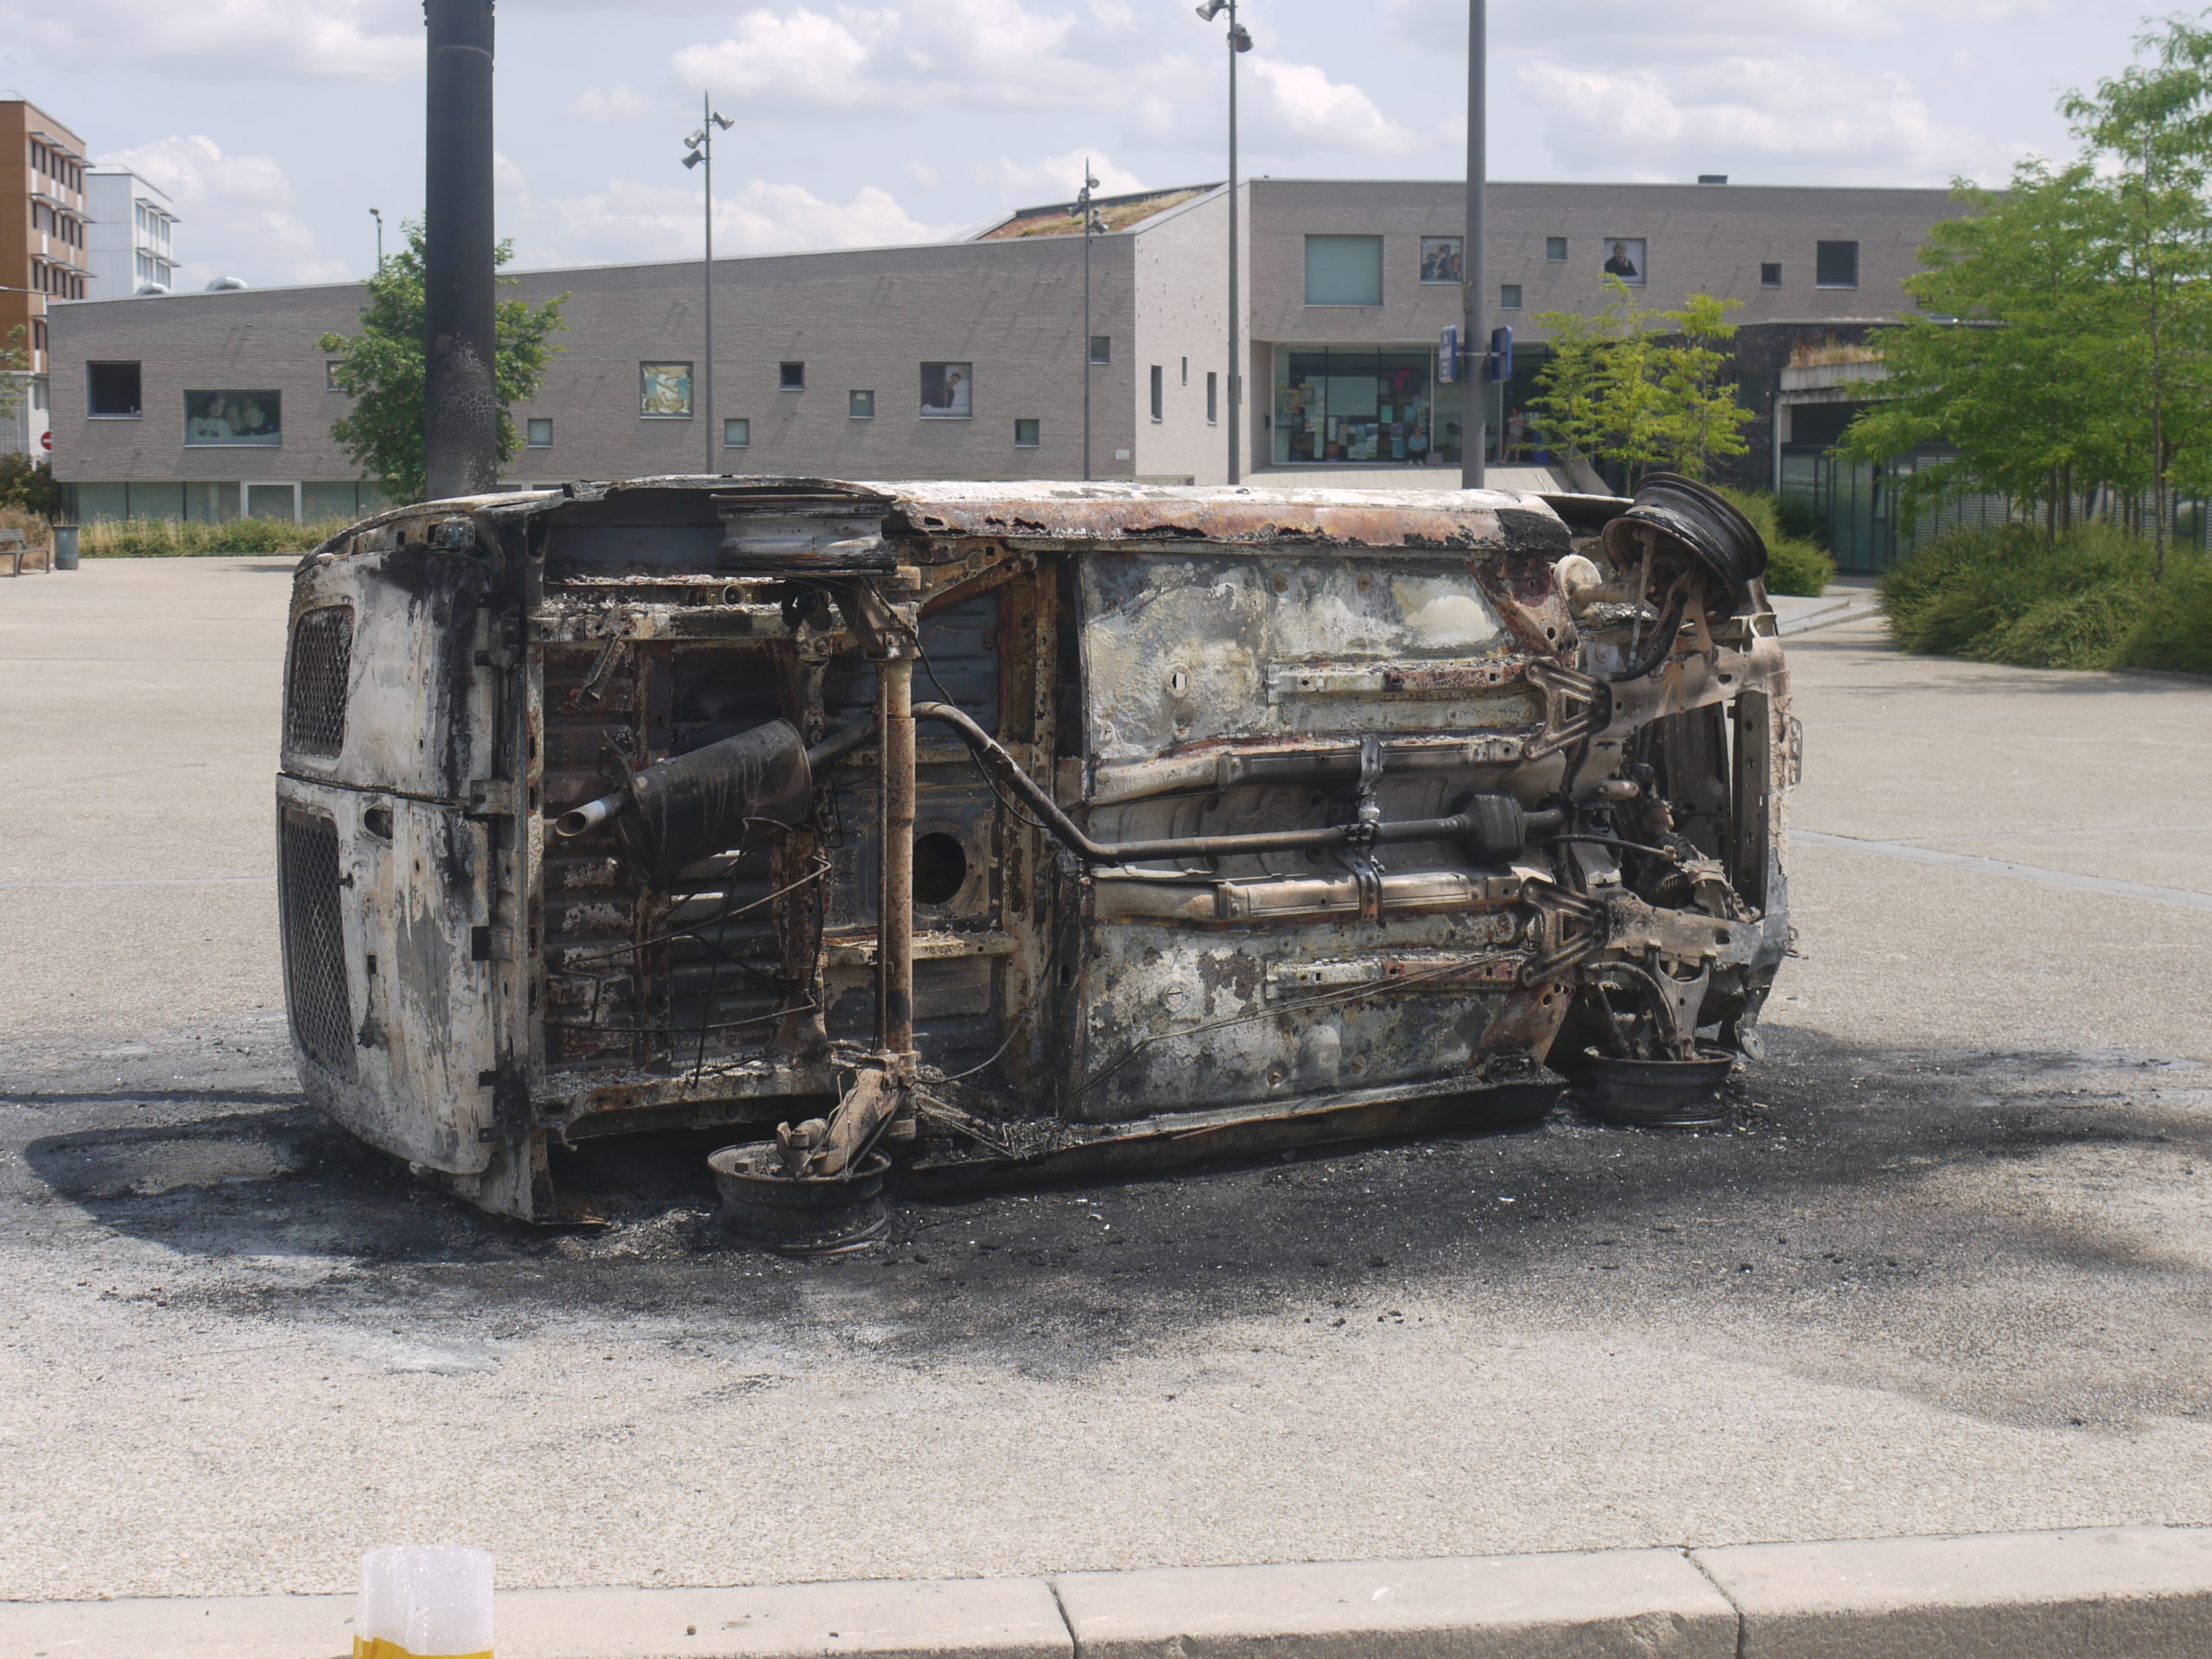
(65, 547)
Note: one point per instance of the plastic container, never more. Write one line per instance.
(424, 1601)
(65, 547)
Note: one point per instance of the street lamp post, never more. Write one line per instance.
(1239, 41)
(1474, 437)
(1091, 226)
(378, 215)
(701, 144)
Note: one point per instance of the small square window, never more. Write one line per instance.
(1509, 296)
(537, 432)
(737, 431)
(664, 392)
(948, 391)
(1025, 434)
(1102, 348)
(330, 367)
(1770, 275)
(790, 377)
(112, 390)
(860, 405)
(1343, 271)
(1835, 264)
(1555, 249)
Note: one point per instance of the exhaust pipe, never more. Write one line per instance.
(460, 404)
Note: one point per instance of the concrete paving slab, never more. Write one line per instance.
(2115, 1592)
(1633, 1604)
(991, 1618)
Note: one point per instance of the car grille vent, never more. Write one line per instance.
(314, 942)
(314, 691)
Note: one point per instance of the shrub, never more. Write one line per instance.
(141, 538)
(1794, 564)
(38, 531)
(2088, 599)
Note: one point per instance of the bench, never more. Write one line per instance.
(14, 549)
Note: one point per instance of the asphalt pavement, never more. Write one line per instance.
(1945, 1272)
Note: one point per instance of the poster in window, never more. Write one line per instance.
(251, 417)
(1440, 260)
(949, 390)
(1625, 260)
(664, 389)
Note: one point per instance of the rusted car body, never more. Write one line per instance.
(1213, 818)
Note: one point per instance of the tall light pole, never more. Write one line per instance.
(701, 144)
(1474, 338)
(378, 215)
(1238, 41)
(1091, 226)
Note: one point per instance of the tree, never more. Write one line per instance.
(15, 366)
(29, 485)
(1641, 389)
(2013, 361)
(381, 368)
(2152, 125)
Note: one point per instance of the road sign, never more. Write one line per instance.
(1447, 355)
(1501, 353)
(46, 439)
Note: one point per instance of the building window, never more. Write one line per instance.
(1159, 393)
(1440, 257)
(1509, 296)
(234, 417)
(537, 432)
(1362, 406)
(948, 391)
(330, 367)
(1625, 260)
(1770, 275)
(664, 392)
(790, 377)
(1555, 249)
(860, 405)
(1835, 264)
(1102, 348)
(1343, 271)
(1186, 370)
(1213, 397)
(1025, 434)
(737, 432)
(112, 390)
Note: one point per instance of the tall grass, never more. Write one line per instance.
(2087, 599)
(144, 538)
(1794, 564)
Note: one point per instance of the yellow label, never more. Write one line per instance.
(375, 1647)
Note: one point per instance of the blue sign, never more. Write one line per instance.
(1447, 355)
(1501, 353)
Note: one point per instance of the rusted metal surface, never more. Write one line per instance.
(1313, 808)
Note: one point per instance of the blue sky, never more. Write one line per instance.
(278, 124)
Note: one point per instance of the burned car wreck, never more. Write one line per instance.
(986, 828)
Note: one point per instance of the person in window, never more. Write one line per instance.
(213, 423)
(1620, 265)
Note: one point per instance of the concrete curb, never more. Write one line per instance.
(2117, 1592)
(1826, 613)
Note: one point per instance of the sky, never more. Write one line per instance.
(276, 124)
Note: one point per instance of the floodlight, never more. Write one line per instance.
(694, 158)
(1239, 39)
(721, 121)
(1212, 9)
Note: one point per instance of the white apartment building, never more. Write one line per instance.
(129, 243)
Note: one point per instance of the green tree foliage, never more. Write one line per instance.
(1644, 388)
(2064, 347)
(381, 369)
(29, 485)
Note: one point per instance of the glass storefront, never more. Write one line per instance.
(1363, 408)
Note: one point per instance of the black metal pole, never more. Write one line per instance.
(460, 405)
(1236, 375)
(1082, 206)
(707, 299)
(1474, 435)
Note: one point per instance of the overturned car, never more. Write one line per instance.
(979, 828)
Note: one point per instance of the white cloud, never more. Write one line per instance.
(631, 221)
(1746, 116)
(237, 213)
(1302, 110)
(223, 40)
(1055, 178)
(617, 103)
